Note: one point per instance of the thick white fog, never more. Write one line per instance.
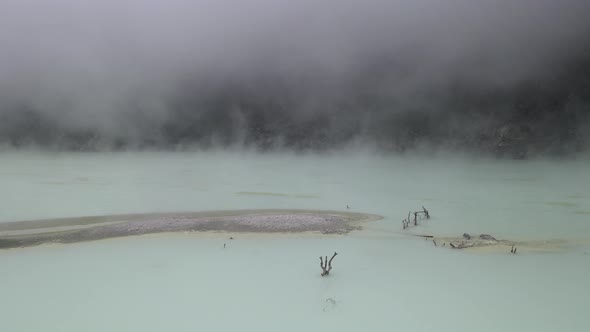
(78, 74)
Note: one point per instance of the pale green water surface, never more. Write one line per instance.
(383, 280)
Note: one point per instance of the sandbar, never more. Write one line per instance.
(80, 229)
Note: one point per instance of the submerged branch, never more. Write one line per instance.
(418, 215)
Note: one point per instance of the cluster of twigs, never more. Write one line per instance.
(418, 215)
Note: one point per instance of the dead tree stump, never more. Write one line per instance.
(326, 265)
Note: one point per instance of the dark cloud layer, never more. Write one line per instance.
(495, 75)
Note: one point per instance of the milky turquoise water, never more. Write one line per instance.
(382, 279)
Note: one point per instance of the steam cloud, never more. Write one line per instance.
(505, 76)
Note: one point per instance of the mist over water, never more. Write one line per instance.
(503, 77)
(375, 106)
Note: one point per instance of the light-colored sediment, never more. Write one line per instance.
(478, 245)
(522, 247)
(68, 230)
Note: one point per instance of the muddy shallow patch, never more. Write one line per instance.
(69, 230)
(484, 243)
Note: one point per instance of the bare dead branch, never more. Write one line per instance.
(426, 212)
(326, 265)
(330, 262)
(418, 215)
